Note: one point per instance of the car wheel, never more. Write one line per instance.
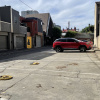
(82, 49)
(59, 49)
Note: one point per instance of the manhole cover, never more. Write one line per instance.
(5, 77)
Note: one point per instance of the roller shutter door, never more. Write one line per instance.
(19, 42)
(38, 41)
(3, 42)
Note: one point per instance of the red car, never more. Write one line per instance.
(71, 44)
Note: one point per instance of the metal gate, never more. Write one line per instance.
(3, 42)
(19, 42)
(38, 41)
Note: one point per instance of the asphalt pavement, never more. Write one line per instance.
(70, 75)
(7, 54)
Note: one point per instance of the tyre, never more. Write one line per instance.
(83, 49)
(59, 49)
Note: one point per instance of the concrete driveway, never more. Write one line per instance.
(70, 75)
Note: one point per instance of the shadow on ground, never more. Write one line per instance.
(37, 54)
(10, 55)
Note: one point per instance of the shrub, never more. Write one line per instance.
(70, 34)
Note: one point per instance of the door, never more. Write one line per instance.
(12, 41)
(19, 42)
(72, 44)
(63, 43)
(38, 41)
(3, 42)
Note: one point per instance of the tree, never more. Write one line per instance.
(56, 32)
(70, 34)
(88, 29)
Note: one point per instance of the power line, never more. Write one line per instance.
(26, 4)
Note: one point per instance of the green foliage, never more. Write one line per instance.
(70, 34)
(57, 32)
(89, 29)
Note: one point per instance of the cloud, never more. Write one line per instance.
(79, 12)
(78, 15)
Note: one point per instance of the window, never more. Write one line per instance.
(71, 40)
(28, 29)
(63, 40)
(60, 40)
(15, 19)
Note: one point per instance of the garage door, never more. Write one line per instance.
(3, 42)
(19, 42)
(38, 41)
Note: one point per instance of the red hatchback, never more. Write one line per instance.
(71, 44)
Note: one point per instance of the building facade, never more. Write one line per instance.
(34, 27)
(12, 34)
(47, 26)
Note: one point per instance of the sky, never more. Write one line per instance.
(80, 13)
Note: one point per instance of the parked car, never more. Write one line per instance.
(71, 44)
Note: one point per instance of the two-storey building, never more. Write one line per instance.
(34, 29)
(12, 34)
